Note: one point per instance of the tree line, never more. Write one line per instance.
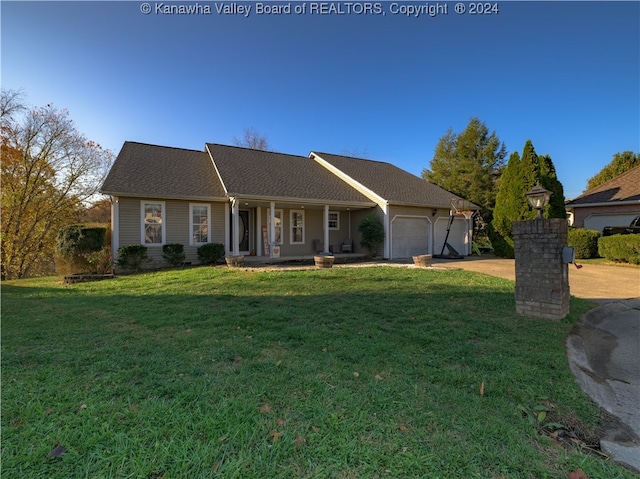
(472, 165)
(50, 174)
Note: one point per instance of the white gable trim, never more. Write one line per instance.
(372, 195)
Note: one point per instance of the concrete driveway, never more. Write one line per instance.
(597, 282)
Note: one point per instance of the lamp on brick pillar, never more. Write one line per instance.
(538, 198)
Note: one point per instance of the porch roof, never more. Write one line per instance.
(269, 176)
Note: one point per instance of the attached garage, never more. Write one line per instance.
(598, 222)
(410, 236)
(458, 236)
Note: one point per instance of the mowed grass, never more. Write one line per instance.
(340, 373)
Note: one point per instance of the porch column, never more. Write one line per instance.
(115, 225)
(326, 228)
(272, 226)
(227, 224)
(235, 215)
(387, 249)
(258, 231)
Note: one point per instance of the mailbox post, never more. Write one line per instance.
(542, 257)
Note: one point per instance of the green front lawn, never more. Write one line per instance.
(340, 373)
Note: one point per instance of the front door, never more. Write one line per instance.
(243, 231)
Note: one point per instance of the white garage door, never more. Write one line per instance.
(410, 236)
(597, 222)
(458, 236)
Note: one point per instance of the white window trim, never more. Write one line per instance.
(291, 213)
(337, 213)
(143, 238)
(208, 206)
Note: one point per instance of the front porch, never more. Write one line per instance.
(276, 231)
(340, 258)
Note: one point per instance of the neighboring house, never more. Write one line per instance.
(252, 200)
(614, 203)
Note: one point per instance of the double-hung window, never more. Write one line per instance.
(297, 226)
(334, 220)
(199, 223)
(153, 222)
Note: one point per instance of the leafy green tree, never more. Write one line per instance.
(620, 163)
(520, 175)
(469, 164)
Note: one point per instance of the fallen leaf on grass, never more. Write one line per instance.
(58, 451)
(578, 475)
(237, 358)
(216, 466)
(402, 427)
(279, 363)
(275, 436)
(356, 374)
(315, 429)
(300, 440)
(378, 377)
(265, 408)
(280, 422)
(324, 350)
(187, 331)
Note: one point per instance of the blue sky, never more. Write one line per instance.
(564, 74)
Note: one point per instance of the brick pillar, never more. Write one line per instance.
(542, 279)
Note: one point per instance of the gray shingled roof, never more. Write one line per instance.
(162, 172)
(391, 183)
(624, 187)
(265, 174)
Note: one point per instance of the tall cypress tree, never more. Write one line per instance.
(509, 206)
(549, 180)
(520, 175)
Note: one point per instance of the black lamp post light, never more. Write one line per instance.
(538, 198)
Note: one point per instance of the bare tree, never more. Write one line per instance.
(48, 170)
(355, 152)
(252, 139)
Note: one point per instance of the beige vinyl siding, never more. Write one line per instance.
(176, 218)
(356, 236)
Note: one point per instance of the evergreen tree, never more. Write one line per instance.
(468, 164)
(510, 203)
(549, 180)
(520, 175)
(620, 163)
